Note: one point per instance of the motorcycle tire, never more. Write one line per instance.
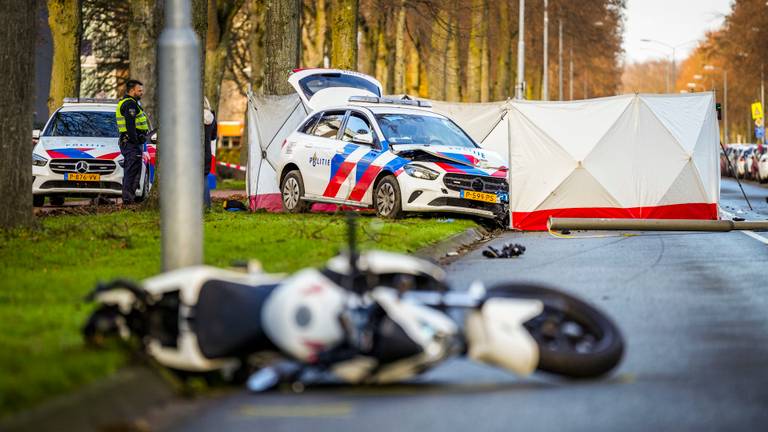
(575, 339)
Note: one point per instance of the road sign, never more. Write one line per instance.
(759, 132)
(757, 110)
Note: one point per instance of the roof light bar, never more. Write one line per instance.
(90, 100)
(390, 101)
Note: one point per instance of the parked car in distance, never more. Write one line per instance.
(78, 154)
(762, 166)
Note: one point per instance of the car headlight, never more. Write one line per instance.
(420, 172)
(38, 160)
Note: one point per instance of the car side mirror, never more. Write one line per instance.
(36, 134)
(363, 138)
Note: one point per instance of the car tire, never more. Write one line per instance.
(56, 200)
(38, 200)
(386, 198)
(292, 193)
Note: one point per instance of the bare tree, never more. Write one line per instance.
(17, 45)
(143, 31)
(221, 23)
(65, 20)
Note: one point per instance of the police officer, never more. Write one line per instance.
(133, 126)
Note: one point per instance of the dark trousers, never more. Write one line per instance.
(131, 170)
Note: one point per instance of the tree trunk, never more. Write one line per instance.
(438, 54)
(501, 81)
(453, 65)
(17, 48)
(221, 15)
(412, 67)
(283, 43)
(485, 62)
(475, 53)
(398, 77)
(313, 33)
(65, 20)
(344, 34)
(258, 14)
(143, 31)
(382, 53)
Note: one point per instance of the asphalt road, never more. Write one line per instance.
(693, 308)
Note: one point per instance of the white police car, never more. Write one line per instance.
(390, 154)
(78, 154)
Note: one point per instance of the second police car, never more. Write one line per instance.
(394, 155)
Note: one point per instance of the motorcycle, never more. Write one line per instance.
(369, 318)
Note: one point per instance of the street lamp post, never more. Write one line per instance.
(725, 100)
(520, 86)
(673, 48)
(545, 72)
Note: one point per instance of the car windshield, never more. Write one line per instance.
(421, 129)
(95, 124)
(314, 83)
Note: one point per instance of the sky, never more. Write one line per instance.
(673, 22)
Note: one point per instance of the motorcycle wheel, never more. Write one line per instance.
(575, 339)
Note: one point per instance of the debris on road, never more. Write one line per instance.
(510, 250)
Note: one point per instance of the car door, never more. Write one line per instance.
(359, 137)
(319, 150)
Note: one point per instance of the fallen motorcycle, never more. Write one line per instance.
(374, 317)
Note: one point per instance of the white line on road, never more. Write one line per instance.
(752, 234)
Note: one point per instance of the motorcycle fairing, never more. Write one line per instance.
(496, 335)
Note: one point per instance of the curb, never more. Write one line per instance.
(115, 403)
(454, 245)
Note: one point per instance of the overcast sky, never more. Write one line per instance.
(673, 22)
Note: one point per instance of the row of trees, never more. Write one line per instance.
(737, 50)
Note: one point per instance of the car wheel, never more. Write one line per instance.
(292, 193)
(56, 200)
(38, 200)
(386, 198)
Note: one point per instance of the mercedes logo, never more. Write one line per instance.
(477, 185)
(81, 167)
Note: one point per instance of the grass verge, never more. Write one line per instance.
(45, 274)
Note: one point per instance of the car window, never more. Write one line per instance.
(356, 124)
(309, 125)
(314, 83)
(329, 124)
(421, 129)
(96, 124)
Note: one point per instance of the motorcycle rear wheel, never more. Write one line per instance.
(575, 339)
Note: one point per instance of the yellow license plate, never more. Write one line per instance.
(82, 177)
(480, 196)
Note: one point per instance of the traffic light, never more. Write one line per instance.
(719, 110)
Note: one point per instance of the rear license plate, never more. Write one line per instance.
(480, 196)
(82, 177)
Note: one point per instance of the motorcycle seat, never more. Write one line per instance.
(227, 319)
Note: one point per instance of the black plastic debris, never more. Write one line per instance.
(234, 205)
(509, 250)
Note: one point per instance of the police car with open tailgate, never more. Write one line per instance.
(394, 155)
(78, 154)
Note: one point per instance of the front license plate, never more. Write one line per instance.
(82, 177)
(480, 196)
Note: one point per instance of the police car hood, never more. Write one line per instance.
(475, 157)
(80, 147)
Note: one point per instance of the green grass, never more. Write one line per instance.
(45, 274)
(231, 184)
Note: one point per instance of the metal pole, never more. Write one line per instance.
(560, 61)
(520, 86)
(725, 105)
(653, 224)
(762, 101)
(545, 72)
(181, 154)
(570, 72)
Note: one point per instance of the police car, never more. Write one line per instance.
(78, 154)
(394, 155)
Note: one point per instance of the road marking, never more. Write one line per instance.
(752, 234)
(322, 410)
(756, 236)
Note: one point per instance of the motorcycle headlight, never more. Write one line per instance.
(420, 172)
(38, 160)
